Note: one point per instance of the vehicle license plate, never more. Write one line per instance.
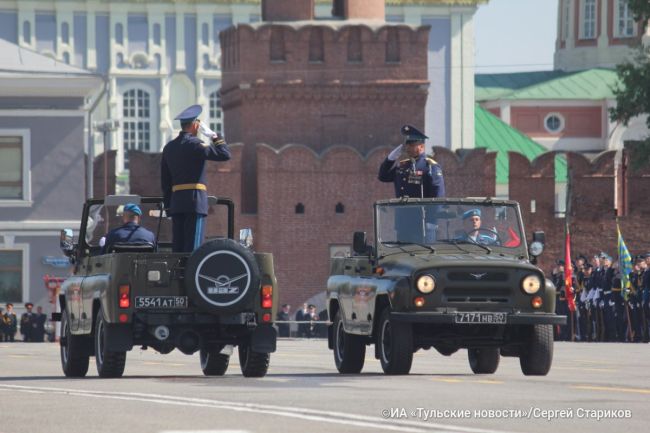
(161, 302)
(489, 318)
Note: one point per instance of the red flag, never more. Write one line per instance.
(513, 239)
(568, 273)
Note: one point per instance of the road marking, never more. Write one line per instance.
(443, 379)
(598, 370)
(450, 380)
(490, 381)
(348, 419)
(204, 431)
(612, 388)
(19, 356)
(162, 363)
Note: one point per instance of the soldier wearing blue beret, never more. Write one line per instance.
(183, 178)
(415, 175)
(130, 232)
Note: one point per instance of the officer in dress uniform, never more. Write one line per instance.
(586, 297)
(414, 175)
(183, 178)
(609, 312)
(129, 232)
(645, 299)
(634, 299)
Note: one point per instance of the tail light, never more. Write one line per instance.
(267, 296)
(125, 298)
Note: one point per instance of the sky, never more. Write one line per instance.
(515, 35)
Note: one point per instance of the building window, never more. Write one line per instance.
(340, 208)
(11, 276)
(392, 46)
(216, 115)
(205, 34)
(554, 123)
(65, 33)
(136, 114)
(156, 34)
(27, 32)
(625, 20)
(589, 19)
(277, 45)
(13, 178)
(119, 34)
(565, 19)
(355, 50)
(300, 208)
(66, 58)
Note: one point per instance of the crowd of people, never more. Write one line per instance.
(605, 309)
(32, 324)
(310, 322)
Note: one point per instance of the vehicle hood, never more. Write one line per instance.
(409, 263)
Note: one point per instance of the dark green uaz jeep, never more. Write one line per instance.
(447, 274)
(221, 295)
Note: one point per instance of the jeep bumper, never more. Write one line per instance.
(450, 318)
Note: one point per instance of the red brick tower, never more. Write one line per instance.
(350, 80)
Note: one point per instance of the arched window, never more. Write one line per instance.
(340, 208)
(136, 112)
(216, 115)
(119, 34)
(27, 32)
(316, 50)
(65, 33)
(66, 58)
(300, 208)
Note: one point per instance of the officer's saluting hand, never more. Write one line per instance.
(416, 175)
(183, 178)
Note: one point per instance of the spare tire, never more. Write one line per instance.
(222, 276)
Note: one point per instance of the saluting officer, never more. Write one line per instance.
(183, 178)
(415, 175)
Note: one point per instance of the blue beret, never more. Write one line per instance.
(472, 213)
(130, 207)
(412, 133)
(190, 113)
(604, 255)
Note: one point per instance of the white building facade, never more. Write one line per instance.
(158, 57)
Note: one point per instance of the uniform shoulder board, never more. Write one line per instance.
(431, 161)
(405, 160)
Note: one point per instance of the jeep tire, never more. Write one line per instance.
(536, 356)
(349, 349)
(213, 362)
(109, 364)
(252, 364)
(483, 360)
(395, 342)
(74, 357)
(222, 276)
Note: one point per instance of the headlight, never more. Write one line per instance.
(535, 249)
(531, 284)
(426, 284)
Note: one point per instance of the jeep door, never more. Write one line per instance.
(358, 295)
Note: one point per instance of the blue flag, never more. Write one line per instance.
(625, 264)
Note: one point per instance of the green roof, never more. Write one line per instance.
(495, 135)
(591, 84)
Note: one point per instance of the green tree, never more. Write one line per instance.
(633, 90)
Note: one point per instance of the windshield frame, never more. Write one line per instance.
(381, 250)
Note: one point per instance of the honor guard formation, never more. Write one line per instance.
(606, 310)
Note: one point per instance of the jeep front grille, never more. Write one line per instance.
(482, 295)
(477, 276)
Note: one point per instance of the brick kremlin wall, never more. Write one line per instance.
(302, 242)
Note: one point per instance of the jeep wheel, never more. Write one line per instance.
(214, 363)
(222, 276)
(109, 364)
(536, 356)
(253, 364)
(395, 342)
(349, 349)
(73, 359)
(483, 361)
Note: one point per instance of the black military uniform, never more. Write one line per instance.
(183, 181)
(27, 323)
(645, 302)
(609, 311)
(634, 303)
(585, 297)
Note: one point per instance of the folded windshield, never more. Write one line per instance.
(435, 224)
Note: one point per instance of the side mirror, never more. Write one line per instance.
(66, 242)
(536, 247)
(246, 237)
(360, 243)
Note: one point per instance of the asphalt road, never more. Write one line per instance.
(303, 393)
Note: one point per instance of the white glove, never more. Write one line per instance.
(205, 130)
(395, 153)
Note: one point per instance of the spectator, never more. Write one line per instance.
(2, 326)
(303, 315)
(28, 323)
(11, 323)
(312, 315)
(39, 325)
(283, 316)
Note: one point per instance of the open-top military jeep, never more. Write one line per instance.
(447, 274)
(219, 296)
